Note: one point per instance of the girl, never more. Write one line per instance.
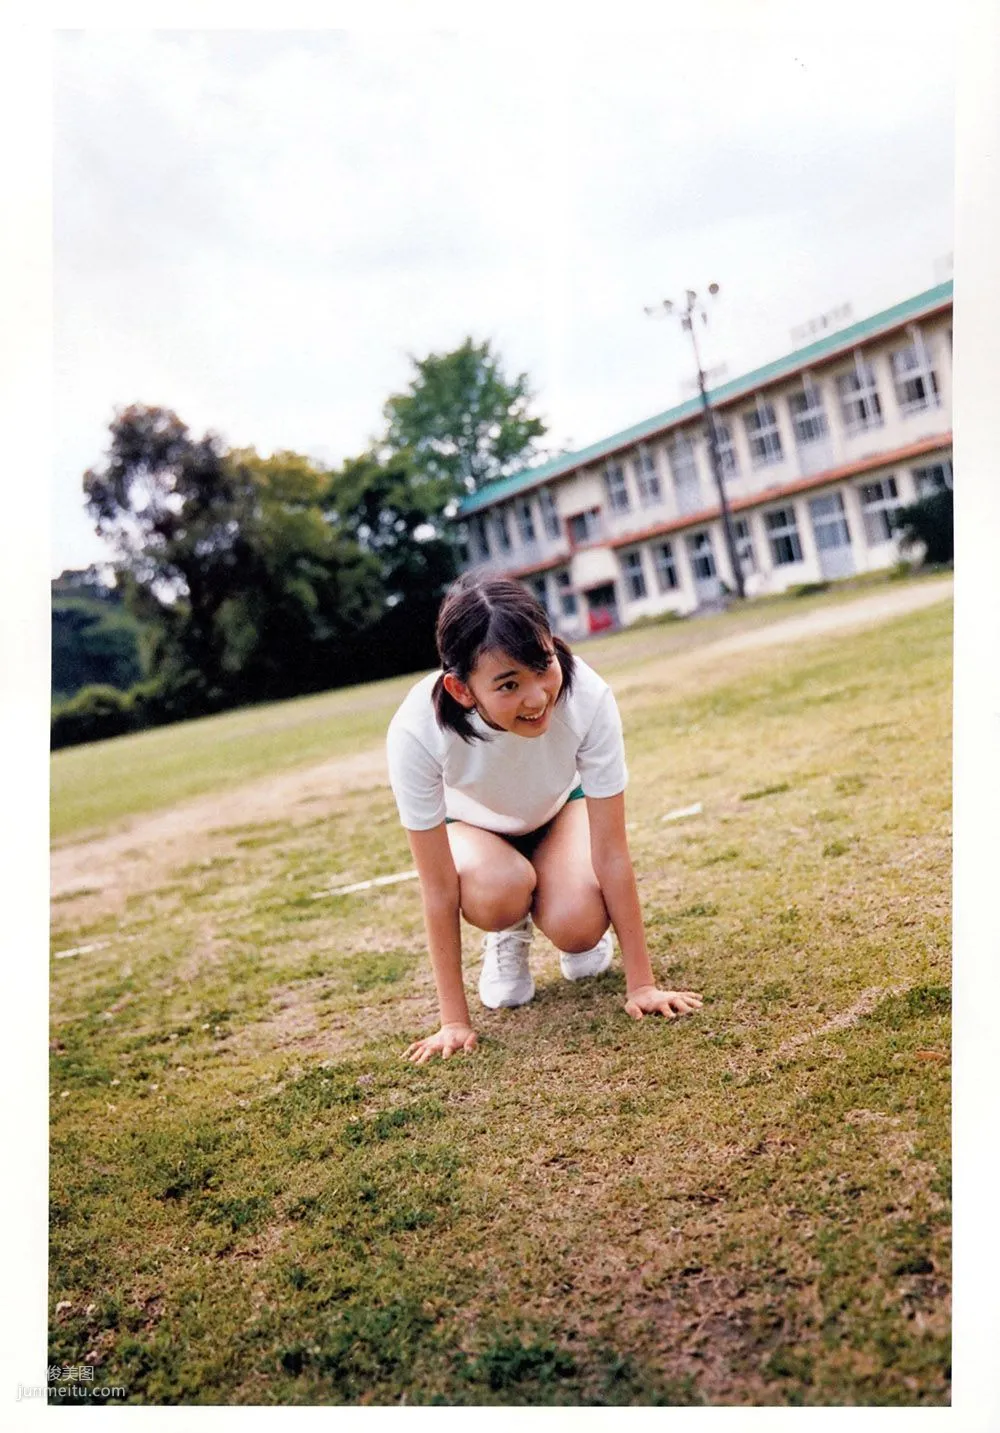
(508, 769)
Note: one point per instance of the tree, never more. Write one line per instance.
(94, 640)
(462, 420)
(394, 515)
(308, 590)
(929, 521)
(173, 510)
(248, 590)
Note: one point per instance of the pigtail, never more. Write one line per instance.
(451, 714)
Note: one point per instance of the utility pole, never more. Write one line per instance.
(686, 315)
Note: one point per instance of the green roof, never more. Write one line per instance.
(737, 387)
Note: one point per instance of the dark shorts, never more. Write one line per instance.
(527, 842)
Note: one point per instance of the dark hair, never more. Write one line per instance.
(491, 614)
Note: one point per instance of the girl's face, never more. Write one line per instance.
(509, 696)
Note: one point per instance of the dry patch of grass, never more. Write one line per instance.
(255, 1200)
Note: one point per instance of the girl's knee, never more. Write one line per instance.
(573, 926)
(494, 900)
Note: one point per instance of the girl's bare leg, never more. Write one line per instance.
(495, 882)
(568, 905)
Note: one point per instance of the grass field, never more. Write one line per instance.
(255, 1200)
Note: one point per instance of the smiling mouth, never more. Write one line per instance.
(532, 720)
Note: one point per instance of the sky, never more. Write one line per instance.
(260, 229)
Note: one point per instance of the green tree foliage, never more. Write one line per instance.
(462, 420)
(94, 640)
(394, 515)
(930, 521)
(247, 589)
(173, 510)
(308, 591)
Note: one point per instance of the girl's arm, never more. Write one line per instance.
(440, 895)
(612, 864)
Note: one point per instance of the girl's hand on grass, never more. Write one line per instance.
(447, 1040)
(649, 1000)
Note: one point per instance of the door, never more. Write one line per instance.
(707, 587)
(833, 536)
(602, 608)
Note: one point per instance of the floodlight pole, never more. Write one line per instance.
(687, 321)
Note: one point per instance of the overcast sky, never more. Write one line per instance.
(257, 229)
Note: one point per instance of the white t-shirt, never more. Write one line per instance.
(504, 782)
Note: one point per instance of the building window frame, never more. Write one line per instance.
(914, 377)
(743, 542)
(525, 519)
(926, 485)
(760, 424)
(665, 567)
(725, 448)
(701, 555)
(569, 602)
(783, 535)
(634, 574)
(616, 486)
(584, 527)
(539, 588)
(860, 404)
(501, 526)
(879, 501)
(808, 414)
(551, 524)
(647, 478)
(479, 538)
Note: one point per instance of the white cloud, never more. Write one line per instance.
(256, 229)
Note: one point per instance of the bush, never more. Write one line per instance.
(931, 522)
(99, 712)
(94, 713)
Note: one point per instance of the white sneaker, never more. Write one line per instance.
(587, 962)
(505, 978)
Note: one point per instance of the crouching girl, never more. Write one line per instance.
(508, 768)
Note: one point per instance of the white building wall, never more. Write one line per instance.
(597, 564)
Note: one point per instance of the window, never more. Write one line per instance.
(762, 433)
(743, 540)
(702, 556)
(479, 541)
(683, 463)
(666, 570)
(915, 379)
(783, 534)
(808, 417)
(502, 528)
(829, 522)
(878, 503)
(724, 446)
(539, 587)
(635, 578)
(525, 521)
(567, 597)
(585, 526)
(647, 478)
(859, 400)
(550, 518)
(933, 479)
(614, 481)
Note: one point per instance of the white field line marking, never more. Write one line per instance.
(682, 811)
(79, 950)
(364, 885)
(864, 1004)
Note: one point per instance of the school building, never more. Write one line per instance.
(817, 450)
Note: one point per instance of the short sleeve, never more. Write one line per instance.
(416, 779)
(601, 758)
